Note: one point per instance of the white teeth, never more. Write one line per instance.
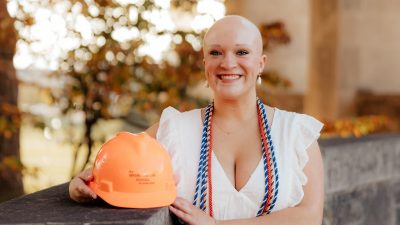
(229, 77)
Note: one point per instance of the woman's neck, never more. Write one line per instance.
(236, 110)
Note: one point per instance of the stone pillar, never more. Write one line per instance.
(321, 98)
(349, 67)
(335, 66)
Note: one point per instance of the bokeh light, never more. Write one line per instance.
(51, 40)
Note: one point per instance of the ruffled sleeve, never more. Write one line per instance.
(307, 131)
(168, 136)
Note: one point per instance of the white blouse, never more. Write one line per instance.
(292, 133)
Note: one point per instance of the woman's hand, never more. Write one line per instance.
(79, 191)
(190, 214)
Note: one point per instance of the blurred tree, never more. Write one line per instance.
(111, 64)
(107, 70)
(10, 166)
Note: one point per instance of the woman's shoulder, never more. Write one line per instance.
(283, 112)
(172, 117)
(171, 112)
(174, 124)
(295, 123)
(294, 117)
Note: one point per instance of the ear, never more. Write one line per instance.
(263, 62)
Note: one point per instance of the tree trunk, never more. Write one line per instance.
(10, 166)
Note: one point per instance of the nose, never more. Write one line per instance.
(228, 61)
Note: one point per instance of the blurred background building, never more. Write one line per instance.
(87, 69)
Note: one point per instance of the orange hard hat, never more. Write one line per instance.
(133, 171)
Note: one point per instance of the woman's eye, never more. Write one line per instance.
(215, 53)
(242, 52)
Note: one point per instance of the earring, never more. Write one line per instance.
(259, 81)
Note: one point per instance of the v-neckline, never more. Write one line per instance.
(225, 177)
(255, 169)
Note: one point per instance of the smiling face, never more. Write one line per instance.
(233, 57)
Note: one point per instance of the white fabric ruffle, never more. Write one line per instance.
(168, 136)
(307, 131)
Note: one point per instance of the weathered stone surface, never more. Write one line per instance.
(368, 205)
(362, 180)
(362, 188)
(369, 160)
(53, 206)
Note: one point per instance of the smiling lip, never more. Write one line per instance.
(229, 76)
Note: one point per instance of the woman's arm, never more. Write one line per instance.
(152, 131)
(308, 212)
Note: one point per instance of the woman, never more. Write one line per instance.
(238, 160)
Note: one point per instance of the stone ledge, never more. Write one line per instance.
(362, 188)
(367, 205)
(362, 180)
(352, 163)
(53, 206)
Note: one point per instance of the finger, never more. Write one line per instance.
(183, 205)
(88, 172)
(181, 215)
(85, 191)
(86, 175)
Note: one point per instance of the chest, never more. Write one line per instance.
(238, 154)
(237, 190)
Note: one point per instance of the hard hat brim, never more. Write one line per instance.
(136, 200)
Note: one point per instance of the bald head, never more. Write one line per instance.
(234, 25)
